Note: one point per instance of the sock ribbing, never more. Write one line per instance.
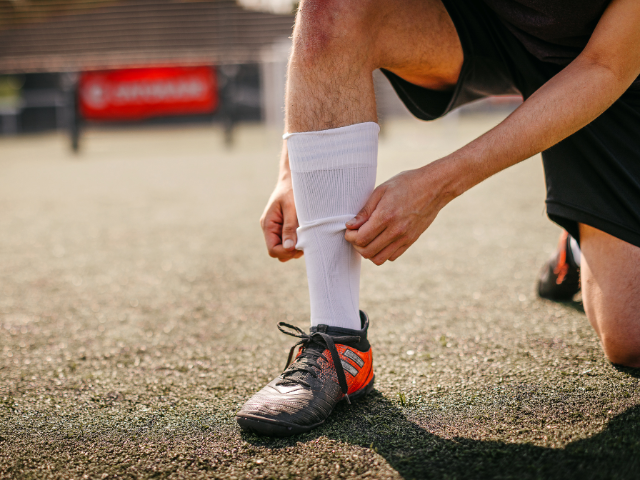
(333, 173)
(575, 251)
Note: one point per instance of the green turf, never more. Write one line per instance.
(138, 310)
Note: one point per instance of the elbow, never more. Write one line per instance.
(616, 72)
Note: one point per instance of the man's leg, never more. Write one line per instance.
(337, 44)
(330, 121)
(332, 143)
(610, 275)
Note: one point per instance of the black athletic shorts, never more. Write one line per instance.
(593, 176)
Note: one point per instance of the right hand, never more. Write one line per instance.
(279, 222)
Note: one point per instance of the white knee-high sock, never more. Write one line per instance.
(575, 251)
(333, 173)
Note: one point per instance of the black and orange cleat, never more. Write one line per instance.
(560, 277)
(332, 364)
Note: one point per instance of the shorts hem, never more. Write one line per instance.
(435, 104)
(568, 217)
(439, 102)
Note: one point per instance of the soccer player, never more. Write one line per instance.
(575, 62)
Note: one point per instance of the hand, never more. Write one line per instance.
(397, 213)
(279, 222)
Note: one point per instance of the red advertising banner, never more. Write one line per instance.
(139, 93)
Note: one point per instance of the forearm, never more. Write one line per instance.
(285, 169)
(565, 104)
(402, 208)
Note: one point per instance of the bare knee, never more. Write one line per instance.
(325, 28)
(622, 351)
(619, 332)
(610, 275)
(618, 329)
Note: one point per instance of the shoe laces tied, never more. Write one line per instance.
(308, 359)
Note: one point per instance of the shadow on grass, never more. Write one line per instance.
(415, 453)
(632, 372)
(578, 306)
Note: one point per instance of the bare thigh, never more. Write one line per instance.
(610, 275)
(418, 42)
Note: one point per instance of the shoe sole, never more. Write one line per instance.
(273, 428)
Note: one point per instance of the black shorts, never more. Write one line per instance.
(593, 176)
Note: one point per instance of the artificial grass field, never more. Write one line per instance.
(138, 310)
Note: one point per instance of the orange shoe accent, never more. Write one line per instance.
(365, 372)
(562, 267)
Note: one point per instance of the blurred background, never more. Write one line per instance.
(73, 65)
(139, 143)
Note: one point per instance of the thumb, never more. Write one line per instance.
(366, 211)
(289, 226)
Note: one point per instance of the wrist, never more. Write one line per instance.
(284, 176)
(465, 168)
(285, 168)
(448, 175)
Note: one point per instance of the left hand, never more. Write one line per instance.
(398, 211)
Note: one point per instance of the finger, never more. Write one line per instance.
(388, 252)
(289, 226)
(272, 232)
(381, 242)
(351, 236)
(376, 224)
(271, 224)
(284, 255)
(383, 246)
(365, 212)
(398, 252)
(275, 247)
(294, 255)
(385, 254)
